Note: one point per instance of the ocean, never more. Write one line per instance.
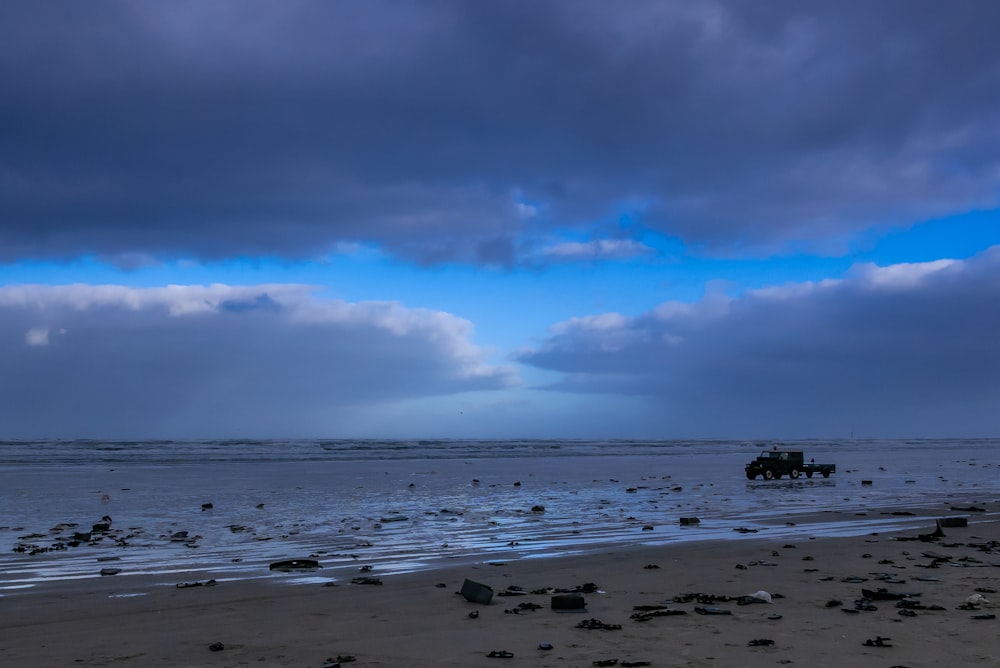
(226, 509)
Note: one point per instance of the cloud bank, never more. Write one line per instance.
(909, 348)
(195, 361)
(258, 128)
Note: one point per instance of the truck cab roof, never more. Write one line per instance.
(781, 454)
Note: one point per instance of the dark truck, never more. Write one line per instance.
(776, 463)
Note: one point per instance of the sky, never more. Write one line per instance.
(508, 219)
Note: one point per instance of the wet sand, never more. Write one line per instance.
(411, 620)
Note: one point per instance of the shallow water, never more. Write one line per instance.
(341, 500)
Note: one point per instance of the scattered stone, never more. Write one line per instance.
(877, 641)
(882, 594)
(712, 611)
(568, 602)
(206, 583)
(596, 624)
(217, 647)
(294, 565)
(475, 592)
(659, 611)
(110, 571)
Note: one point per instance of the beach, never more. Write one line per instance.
(419, 618)
(185, 534)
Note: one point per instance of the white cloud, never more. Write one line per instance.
(902, 275)
(598, 249)
(37, 336)
(219, 359)
(897, 350)
(526, 210)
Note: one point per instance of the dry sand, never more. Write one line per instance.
(411, 621)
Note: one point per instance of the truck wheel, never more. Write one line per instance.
(826, 473)
(794, 473)
(809, 474)
(768, 474)
(751, 475)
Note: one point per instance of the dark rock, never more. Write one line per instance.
(294, 564)
(206, 583)
(596, 624)
(568, 602)
(475, 592)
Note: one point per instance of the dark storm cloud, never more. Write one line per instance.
(261, 128)
(191, 361)
(899, 350)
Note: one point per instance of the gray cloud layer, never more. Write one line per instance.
(263, 128)
(909, 349)
(193, 361)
